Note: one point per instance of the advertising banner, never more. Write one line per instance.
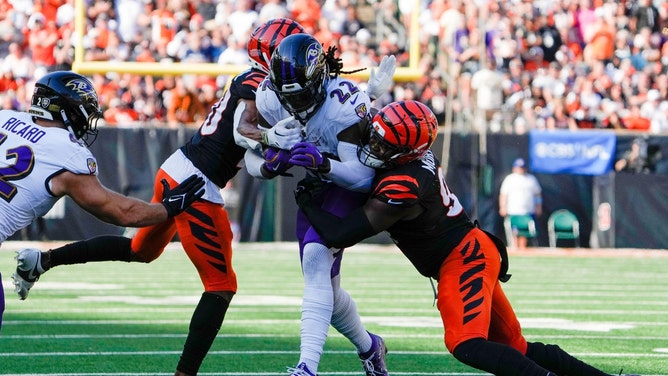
(568, 152)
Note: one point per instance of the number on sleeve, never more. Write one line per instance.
(450, 201)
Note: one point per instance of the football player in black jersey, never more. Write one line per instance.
(412, 202)
(204, 228)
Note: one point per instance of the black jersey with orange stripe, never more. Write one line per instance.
(213, 149)
(439, 228)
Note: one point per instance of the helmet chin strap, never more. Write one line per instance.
(68, 124)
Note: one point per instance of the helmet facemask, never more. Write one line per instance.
(302, 103)
(378, 153)
(86, 131)
(398, 134)
(299, 75)
(71, 99)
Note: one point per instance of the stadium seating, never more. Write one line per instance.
(522, 225)
(563, 224)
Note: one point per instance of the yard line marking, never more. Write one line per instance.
(333, 334)
(253, 374)
(291, 352)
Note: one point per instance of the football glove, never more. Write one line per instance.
(307, 189)
(177, 199)
(307, 155)
(380, 78)
(277, 161)
(284, 134)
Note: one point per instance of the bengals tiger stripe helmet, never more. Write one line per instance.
(399, 133)
(266, 37)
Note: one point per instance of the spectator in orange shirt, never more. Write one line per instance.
(120, 113)
(634, 120)
(6, 10)
(7, 82)
(42, 39)
(163, 23)
(307, 13)
(599, 39)
(184, 107)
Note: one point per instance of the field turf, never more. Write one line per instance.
(609, 308)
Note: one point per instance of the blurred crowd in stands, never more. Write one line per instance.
(503, 66)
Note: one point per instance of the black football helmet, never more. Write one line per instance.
(299, 75)
(399, 133)
(68, 97)
(266, 37)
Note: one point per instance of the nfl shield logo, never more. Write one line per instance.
(92, 165)
(361, 110)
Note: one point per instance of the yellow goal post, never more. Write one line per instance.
(79, 65)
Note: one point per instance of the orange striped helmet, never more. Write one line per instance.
(399, 133)
(266, 37)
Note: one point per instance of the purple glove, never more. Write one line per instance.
(307, 155)
(277, 161)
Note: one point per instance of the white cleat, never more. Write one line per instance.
(28, 270)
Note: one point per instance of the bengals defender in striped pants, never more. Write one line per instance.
(411, 201)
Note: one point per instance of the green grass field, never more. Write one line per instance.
(607, 308)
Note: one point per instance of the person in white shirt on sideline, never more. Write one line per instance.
(520, 194)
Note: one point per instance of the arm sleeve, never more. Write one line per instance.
(254, 161)
(350, 173)
(239, 139)
(339, 232)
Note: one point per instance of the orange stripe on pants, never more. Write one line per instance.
(470, 299)
(205, 233)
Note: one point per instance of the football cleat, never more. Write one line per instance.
(28, 270)
(373, 360)
(301, 370)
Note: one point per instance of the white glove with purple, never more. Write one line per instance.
(307, 155)
(284, 134)
(277, 161)
(380, 78)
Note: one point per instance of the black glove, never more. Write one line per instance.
(180, 197)
(307, 189)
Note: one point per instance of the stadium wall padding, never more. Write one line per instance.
(264, 210)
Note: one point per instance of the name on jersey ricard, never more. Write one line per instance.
(23, 129)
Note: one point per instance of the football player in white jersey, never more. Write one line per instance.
(46, 157)
(304, 88)
(204, 229)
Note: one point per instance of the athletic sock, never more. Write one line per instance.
(317, 304)
(346, 320)
(101, 248)
(559, 361)
(497, 359)
(204, 326)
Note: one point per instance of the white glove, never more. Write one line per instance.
(284, 134)
(380, 79)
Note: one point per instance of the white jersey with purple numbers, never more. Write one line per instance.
(30, 156)
(345, 105)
